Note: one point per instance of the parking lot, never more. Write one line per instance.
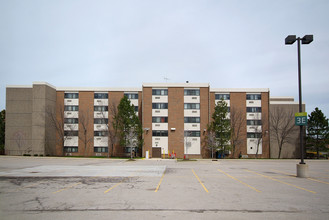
(71, 188)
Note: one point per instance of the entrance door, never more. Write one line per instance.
(156, 152)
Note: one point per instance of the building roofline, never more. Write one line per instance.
(282, 97)
(98, 89)
(284, 103)
(43, 83)
(240, 90)
(19, 86)
(168, 85)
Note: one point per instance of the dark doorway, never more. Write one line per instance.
(156, 152)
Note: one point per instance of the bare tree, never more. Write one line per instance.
(20, 140)
(84, 123)
(238, 122)
(112, 127)
(210, 140)
(260, 132)
(282, 126)
(57, 122)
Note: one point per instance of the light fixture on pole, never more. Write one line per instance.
(307, 39)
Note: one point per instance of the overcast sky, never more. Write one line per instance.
(123, 43)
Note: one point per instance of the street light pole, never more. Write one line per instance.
(301, 133)
(302, 168)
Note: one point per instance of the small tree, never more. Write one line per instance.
(128, 125)
(260, 133)
(210, 140)
(221, 126)
(57, 122)
(282, 126)
(237, 125)
(317, 132)
(84, 123)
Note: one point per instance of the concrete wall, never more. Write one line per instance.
(27, 124)
(291, 149)
(18, 139)
(44, 100)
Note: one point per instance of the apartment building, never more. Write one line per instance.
(174, 117)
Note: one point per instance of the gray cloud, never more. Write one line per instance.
(124, 43)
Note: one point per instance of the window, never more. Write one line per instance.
(191, 133)
(222, 96)
(159, 119)
(101, 121)
(100, 149)
(159, 91)
(160, 133)
(136, 108)
(159, 105)
(131, 95)
(70, 149)
(254, 135)
(71, 95)
(101, 108)
(71, 120)
(191, 106)
(100, 133)
(71, 133)
(71, 108)
(254, 97)
(127, 150)
(191, 119)
(192, 92)
(101, 95)
(254, 122)
(254, 109)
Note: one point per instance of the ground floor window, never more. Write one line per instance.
(70, 149)
(101, 149)
(127, 149)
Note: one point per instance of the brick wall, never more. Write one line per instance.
(60, 120)
(114, 101)
(265, 126)
(176, 120)
(86, 123)
(147, 119)
(205, 96)
(238, 104)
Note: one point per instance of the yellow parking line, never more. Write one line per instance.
(200, 181)
(113, 187)
(307, 178)
(67, 187)
(239, 180)
(268, 177)
(318, 181)
(156, 190)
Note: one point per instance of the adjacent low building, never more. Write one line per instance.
(47, 120)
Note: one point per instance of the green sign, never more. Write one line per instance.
(301, 118)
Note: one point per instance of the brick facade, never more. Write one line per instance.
(175, 124)
(176, 120)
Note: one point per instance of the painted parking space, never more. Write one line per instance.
(197, 186)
